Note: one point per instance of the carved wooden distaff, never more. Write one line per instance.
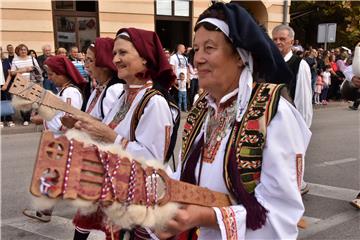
(91, 174)
(36, 94)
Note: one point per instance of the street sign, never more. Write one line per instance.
(326, 33)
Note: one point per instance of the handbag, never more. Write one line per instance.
(6, 108)
(36, 73)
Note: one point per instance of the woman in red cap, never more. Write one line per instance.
(144, 120)
(100, 67)
(70, 84)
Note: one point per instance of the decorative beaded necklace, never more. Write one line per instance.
(129, 97)
(216, 128)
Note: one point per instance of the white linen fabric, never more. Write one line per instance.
(287, 135)
(55, 125)
(112, 95)
(150, 133)
(303, 90)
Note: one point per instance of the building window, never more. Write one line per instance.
(164, 7)
(181, 8)
(75, 23)
(173, 18)
(173, 8)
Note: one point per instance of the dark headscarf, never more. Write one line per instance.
(245, 33)
(63, 66)
(103, 53)
(149, 47)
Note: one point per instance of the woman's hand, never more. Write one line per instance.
(68, 121)
(36, 119)
(187, 217)
(96, 129)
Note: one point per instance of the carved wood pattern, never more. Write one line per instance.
(86, 177)
(35, 93)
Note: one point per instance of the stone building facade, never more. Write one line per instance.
(68, 23)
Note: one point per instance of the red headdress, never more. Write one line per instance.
(63, 66)
(149, 47)
(103, 52)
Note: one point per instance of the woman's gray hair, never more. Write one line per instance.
(284, 27)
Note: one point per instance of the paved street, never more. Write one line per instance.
(332, 169)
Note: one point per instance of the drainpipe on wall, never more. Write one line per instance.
(285, 12)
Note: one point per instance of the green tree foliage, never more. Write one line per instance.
(306, 15)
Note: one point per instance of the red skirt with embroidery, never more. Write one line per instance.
(94, 221)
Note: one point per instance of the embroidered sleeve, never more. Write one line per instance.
(232, 222)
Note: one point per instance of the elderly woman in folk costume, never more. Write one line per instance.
(70, 83)
(241, 138)
(99, 65)
(109, 88)
(143, 121)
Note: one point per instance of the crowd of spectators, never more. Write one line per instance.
(25, 61)
(327, 68)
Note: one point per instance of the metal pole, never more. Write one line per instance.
(326, 35)
(285, 12)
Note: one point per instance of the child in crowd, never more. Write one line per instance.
(326, 76)
(182, 92)
(318, 87)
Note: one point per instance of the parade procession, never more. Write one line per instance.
(211, 125)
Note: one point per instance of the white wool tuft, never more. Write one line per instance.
(133, 215)
(121, 216)
(20, 103)
(46, 113)
(42, 203)
(84, 207)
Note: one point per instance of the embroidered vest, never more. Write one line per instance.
(139, 110)
(247, 137)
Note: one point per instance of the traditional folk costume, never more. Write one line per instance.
(99, 104)
(249, 147)
(73, 96)
(143, 117)
(104, 96)
(70, 93)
